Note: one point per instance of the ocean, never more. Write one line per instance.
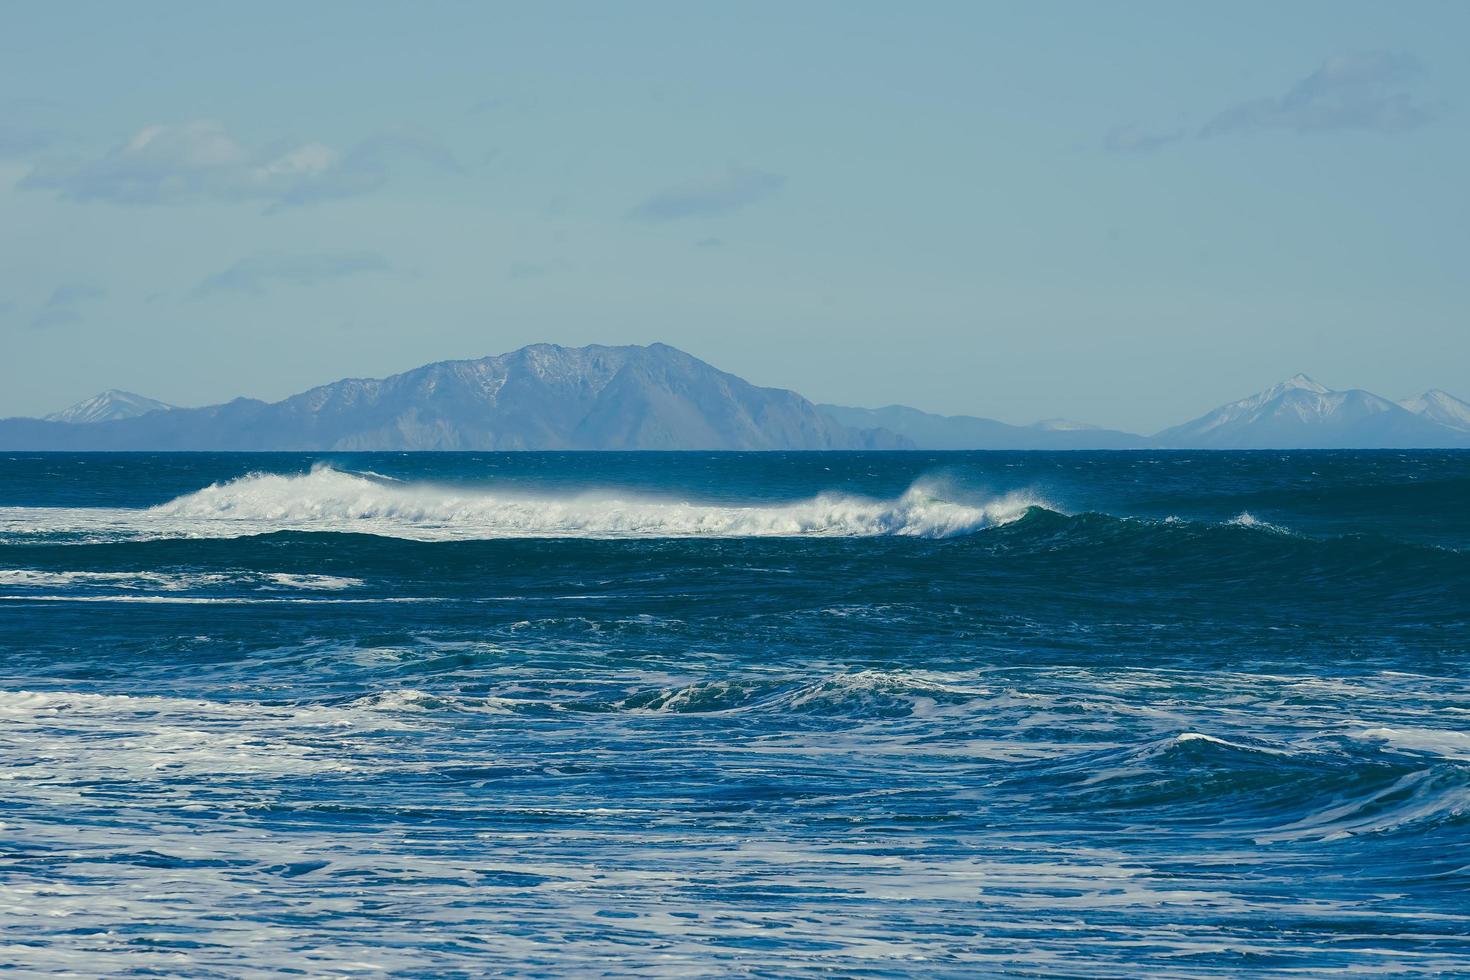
(769, 715)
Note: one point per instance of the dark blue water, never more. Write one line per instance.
(835, 714)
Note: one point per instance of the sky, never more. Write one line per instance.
(1119, 213)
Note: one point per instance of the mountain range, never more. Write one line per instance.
(539, 397)
(547, 397)
(1299, 413)
(928, 431)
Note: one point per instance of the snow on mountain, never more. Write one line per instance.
(111, 404)
(1248, 411)
(542, 397)
(657, 397)
(1299, 413)
(1441, 407)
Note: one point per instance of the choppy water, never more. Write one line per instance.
(771, 715)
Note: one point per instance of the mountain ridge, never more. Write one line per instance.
(1299, 413)
(1442, 407)
(957, 432)
(113, 403)
(545, 396)
(540, 397)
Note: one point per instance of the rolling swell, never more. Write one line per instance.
(862, 714)
(1087, 553)
(1337, 788)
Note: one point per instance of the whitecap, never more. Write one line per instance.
(327, 499)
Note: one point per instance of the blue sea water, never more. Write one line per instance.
(837, 714)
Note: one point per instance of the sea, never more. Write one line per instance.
(1122, 714)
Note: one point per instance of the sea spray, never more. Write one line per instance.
(328, 499)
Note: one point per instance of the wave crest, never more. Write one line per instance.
(332, 500)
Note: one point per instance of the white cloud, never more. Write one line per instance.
(1365, 90)
(201, 160)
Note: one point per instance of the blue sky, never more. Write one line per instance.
(1123, 213)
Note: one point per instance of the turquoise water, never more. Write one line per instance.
(849, 714)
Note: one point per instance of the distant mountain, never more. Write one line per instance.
(1442, 407)
(539, 397)
(546, 397)
(928, 431)
(1299, 413)
(111, 404)
(1064, 425)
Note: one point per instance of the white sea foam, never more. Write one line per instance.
(330, 583)
(171, 581)
(168, 582)
(138, 815)
(1445, 743)
(330, 500)
(1246, 519)
(140, 736)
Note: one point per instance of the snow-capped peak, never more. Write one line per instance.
(109, 405)
(1442, 407)
(1299, 413)
(1249, 407)
(1297, 381)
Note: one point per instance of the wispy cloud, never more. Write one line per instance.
(201, 160)
(254, 273)
(1367, 90)
(63, 306)
(736, 188)
(1370, 91)
(1134, 139)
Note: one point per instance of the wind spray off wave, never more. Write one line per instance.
(332, 500)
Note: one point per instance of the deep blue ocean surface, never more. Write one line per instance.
(844, 714)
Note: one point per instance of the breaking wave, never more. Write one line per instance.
(328, 499)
